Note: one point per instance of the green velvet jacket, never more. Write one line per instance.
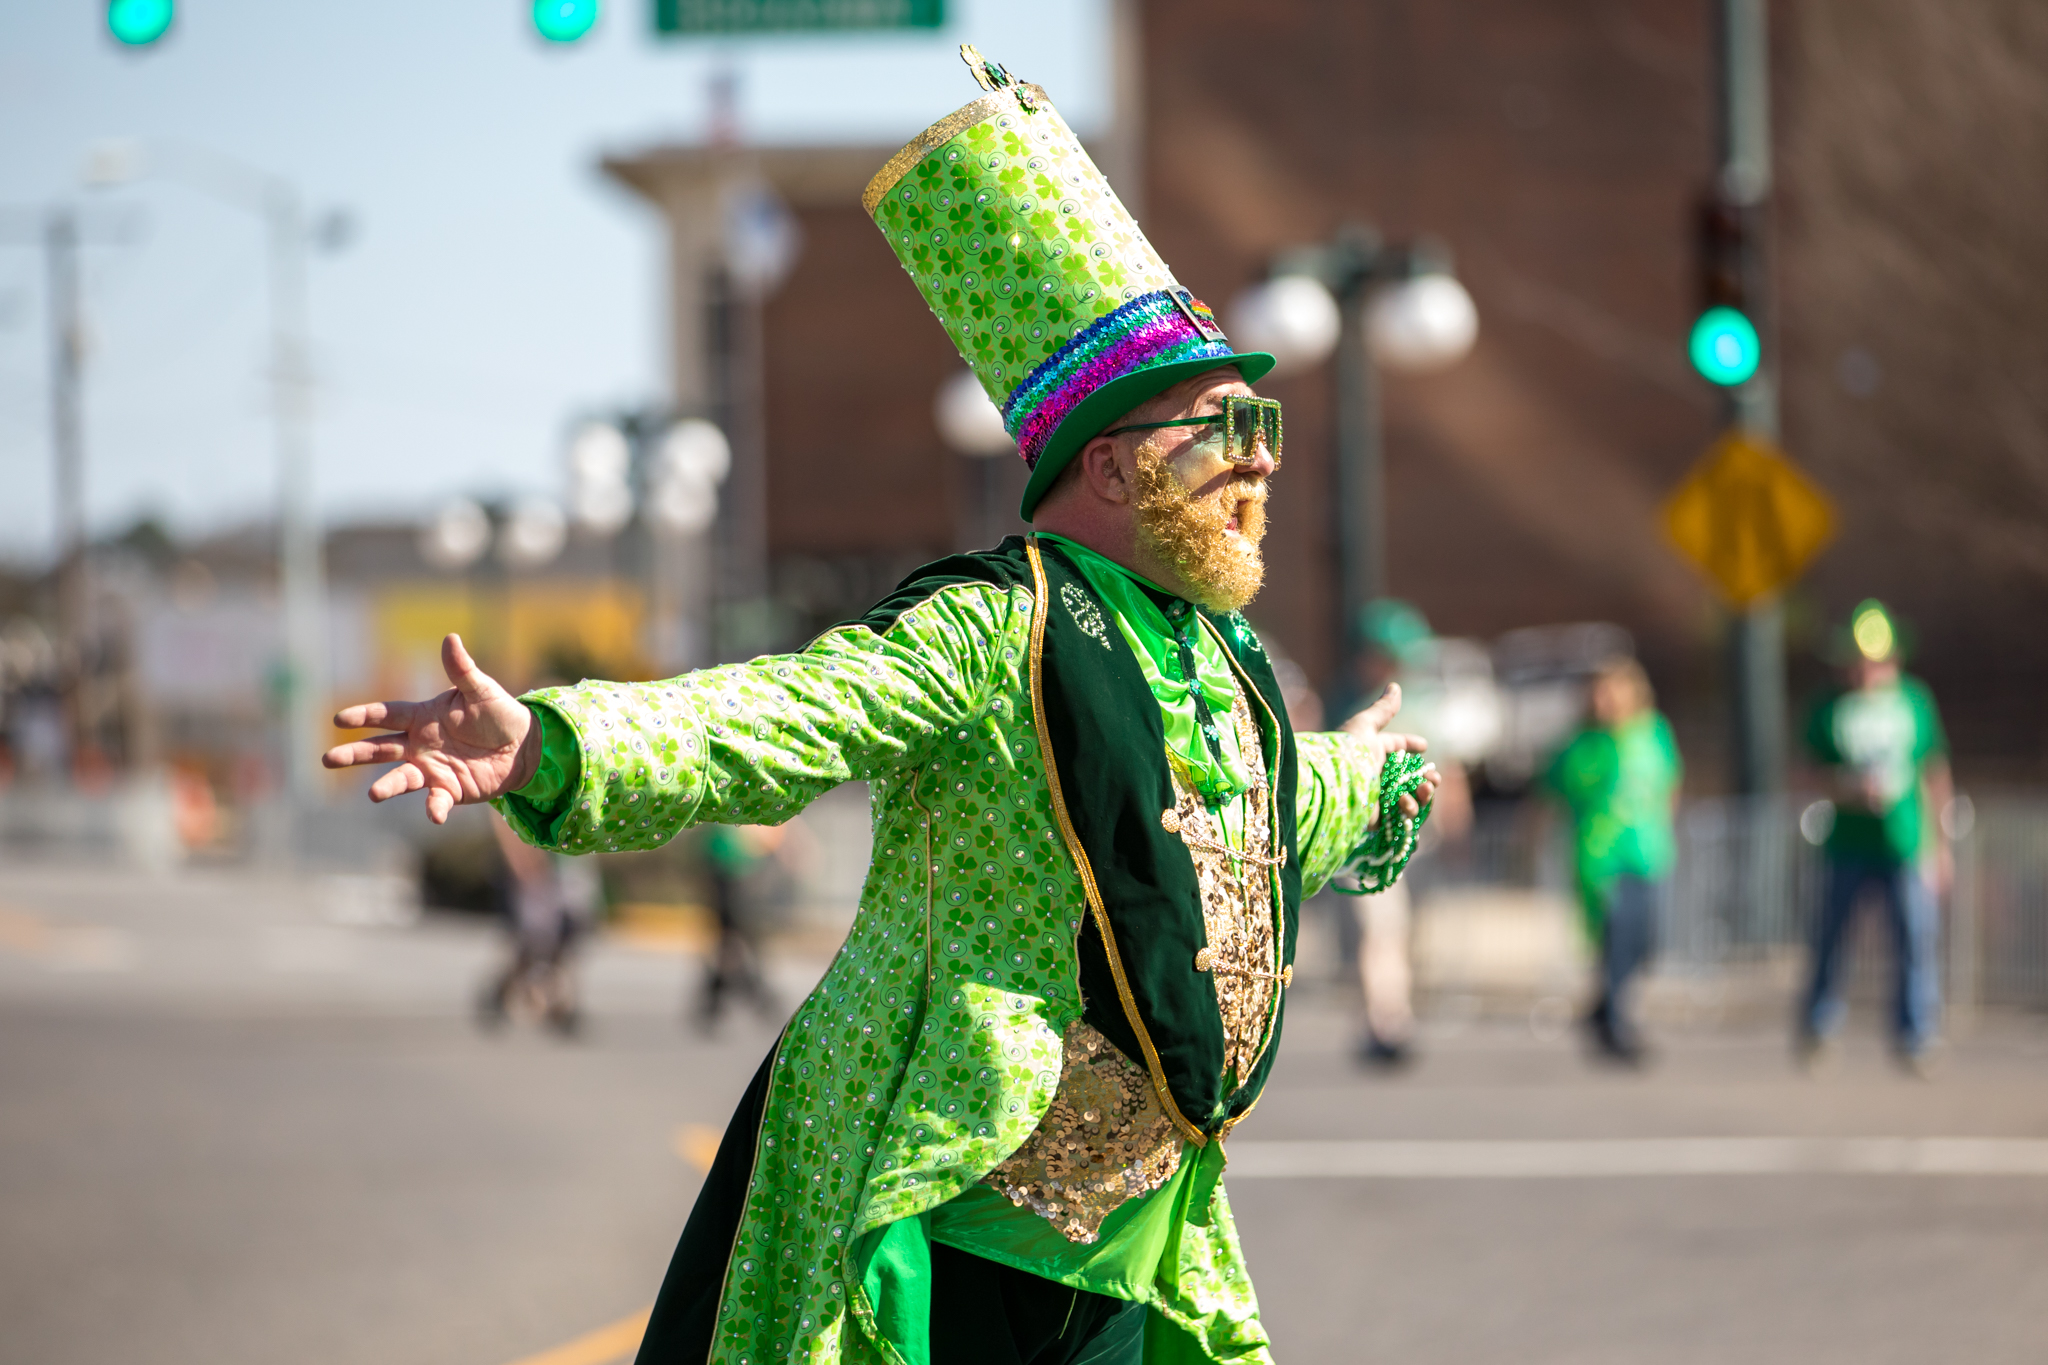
(1020, 881)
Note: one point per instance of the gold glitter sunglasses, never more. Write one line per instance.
(1246, 424)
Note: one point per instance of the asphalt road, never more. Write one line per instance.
(243, 1121)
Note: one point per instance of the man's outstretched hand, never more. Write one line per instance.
(1370, 725)
(471, 743)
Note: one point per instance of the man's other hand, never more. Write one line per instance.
(471, 743)
(1370, 726)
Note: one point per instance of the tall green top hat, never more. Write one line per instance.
(1054, 297)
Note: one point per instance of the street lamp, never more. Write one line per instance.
(968, 422)
(689, 463)
(276, 201)
(669, 471)
(456, 536)
(971, 425)
(1397, 304)
(1292, 318)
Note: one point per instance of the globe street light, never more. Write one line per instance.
(600, 478)
(669, 471)
(1364, 300)
(971, 425)
(457, 535)
(689, 464)
(534, 532)
(1292, 318)
(1421, 324)
(968, 422)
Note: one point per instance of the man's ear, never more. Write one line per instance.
(1103, 472)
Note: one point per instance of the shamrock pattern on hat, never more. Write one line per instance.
(1016, 241)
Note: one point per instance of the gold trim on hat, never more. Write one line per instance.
(942, 132)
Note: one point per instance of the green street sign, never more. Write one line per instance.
(1724, 346)
(686, 18)
(138, 23)
(564, 21)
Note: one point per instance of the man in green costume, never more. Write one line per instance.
(994, 1132)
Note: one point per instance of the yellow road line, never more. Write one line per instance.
(600, 1347)
(22, 933)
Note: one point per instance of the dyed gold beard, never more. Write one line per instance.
(1222, 571)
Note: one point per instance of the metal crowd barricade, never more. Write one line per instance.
(1748, 885)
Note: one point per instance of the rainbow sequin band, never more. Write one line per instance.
(1151, 329)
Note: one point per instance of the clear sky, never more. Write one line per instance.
(498, 285)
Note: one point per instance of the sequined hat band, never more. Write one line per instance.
(1151, 329)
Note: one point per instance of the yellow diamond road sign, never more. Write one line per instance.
(1748, 518)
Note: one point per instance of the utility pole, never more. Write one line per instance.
(1360, 505)
(301, 575)
(1355, 266)
(67, 443)
(301, 572)
(1756, 642)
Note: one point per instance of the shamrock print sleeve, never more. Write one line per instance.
(1335, 804)
(754, 743)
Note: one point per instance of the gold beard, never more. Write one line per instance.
(1222, 571)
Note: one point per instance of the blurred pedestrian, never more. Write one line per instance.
(737, 856)
(1396, 640)
(1619, 779)
(549, 901)
(1879, 739)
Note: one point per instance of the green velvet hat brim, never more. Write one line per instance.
(1095, 412)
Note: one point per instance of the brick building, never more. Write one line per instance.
(1556, 149)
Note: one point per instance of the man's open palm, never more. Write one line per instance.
(471, 743)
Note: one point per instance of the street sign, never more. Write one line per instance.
(686, 17)
(1748, 518)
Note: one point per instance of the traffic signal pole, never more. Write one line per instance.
(1756, 643)
(67, 349)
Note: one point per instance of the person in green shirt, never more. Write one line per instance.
(1619, 779)
(1878, 738)
(733, 854)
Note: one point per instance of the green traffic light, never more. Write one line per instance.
(138, 23)
(564, 21)
(1724, 346)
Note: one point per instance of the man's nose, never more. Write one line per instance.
(1262, 460)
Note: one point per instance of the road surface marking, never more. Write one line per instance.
(22, 933)
(697, 1144)
(1599, 1157)
(67, 947)
(601, 1347)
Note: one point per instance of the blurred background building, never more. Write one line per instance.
(803, 442)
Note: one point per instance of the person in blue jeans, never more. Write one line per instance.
(1879, 739)
(1619, 778)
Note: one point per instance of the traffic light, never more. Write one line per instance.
(138, 23)
(564, 21)
(1724, 345)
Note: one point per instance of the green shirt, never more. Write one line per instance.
(1619, 784)
(1887, 734)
